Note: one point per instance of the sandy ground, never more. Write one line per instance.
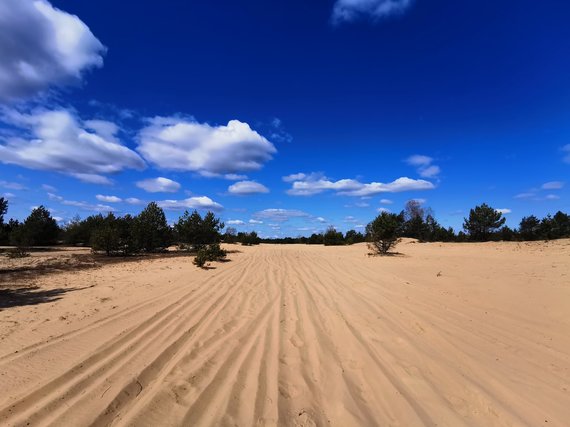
(445, 334)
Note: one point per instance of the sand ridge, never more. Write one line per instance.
(444, 334)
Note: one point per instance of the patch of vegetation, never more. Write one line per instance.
(384, 232)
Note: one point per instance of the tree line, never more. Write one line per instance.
(149, 231)
(114, 235)
(484, 223)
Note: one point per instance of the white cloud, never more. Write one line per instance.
(254, 221)
(49, 188)
(311, 185)
(12, 185)
(386, 201)
(552, 197)
(235, 222)
(58, 141)
(280, 215)
(504, 211)
(79, 204)
(321, 219)
(553, 185)
(244, 188)
(108, 199)
(349, 10)
(380, 210)
(182, 144)
(201, 202)
(42, 46)
(159, 185)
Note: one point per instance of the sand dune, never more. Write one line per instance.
(445, 334)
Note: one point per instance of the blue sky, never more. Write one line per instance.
(285, 116)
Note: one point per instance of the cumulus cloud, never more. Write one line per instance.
(108, 199)
(201, 202)
(553, 185)
(280, 215)
(42, 46)
(244, 188)
(424, 165)
(159, 185)
(59, 141)
(350, 10)
(185, 145)
(235, 222)
(386, 201)
(504, 211)
(313, 184)
(254, 221)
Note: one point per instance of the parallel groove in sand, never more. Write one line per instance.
(285, 335)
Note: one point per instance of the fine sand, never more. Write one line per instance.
(442, 334)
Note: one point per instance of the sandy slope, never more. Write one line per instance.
(445, 335)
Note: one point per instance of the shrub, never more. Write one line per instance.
(384, 232)
(201, 258)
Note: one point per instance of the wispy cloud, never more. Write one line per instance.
(566, 150)
(424, 165)
(12, 185)
(280, 215)
(80, 204)
(552, 185)
(350, 10)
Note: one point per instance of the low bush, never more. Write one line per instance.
(209, 253)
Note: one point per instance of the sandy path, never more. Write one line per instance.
(446, 335)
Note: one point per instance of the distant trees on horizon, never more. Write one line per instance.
(149, 231)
